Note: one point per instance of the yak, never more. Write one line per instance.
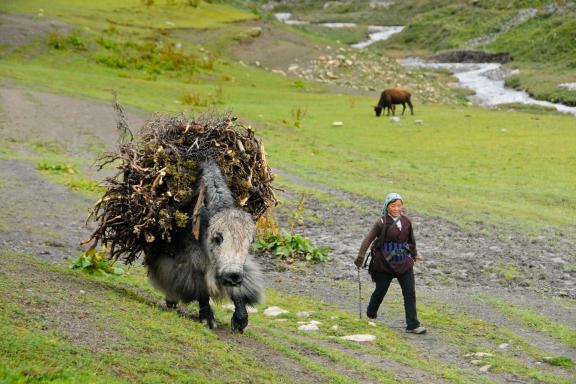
(392, 96)
(215, 265)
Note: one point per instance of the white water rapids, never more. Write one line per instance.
(490, 91)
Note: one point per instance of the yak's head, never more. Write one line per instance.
(226, 231)
(227, 237)
(378, 110)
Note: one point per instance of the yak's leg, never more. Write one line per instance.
(171, 301)
(206, 314)
(403, 108)
(411, 107)
(240, 316)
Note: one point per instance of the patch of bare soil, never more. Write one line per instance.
(78, 125)
(55, 301)
(264, 44)
(399, 370)
(272, 358)
(452, 257)
(18, 30)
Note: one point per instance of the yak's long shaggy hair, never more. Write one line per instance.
(153, 193)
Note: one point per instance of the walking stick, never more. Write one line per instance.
(359, 295)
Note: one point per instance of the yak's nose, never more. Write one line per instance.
(232, 278)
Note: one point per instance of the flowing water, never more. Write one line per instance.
(377, 32)
(487, 81)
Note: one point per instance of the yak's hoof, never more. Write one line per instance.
(209, 323)
(239, 324)
(171, 304)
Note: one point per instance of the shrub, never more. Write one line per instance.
(560, 361)
(96, 262)
(202, 100)
(153, 56)
(290, 247)
(56, 41)
(72, 41)
(57, 168)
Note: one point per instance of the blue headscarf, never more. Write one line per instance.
(390, 198)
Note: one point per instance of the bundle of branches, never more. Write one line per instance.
(153, 193)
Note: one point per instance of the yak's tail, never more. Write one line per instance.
(251, 291)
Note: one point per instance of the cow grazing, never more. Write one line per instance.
(216, 265)
(390, 97)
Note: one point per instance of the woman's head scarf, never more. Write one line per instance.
(393, 196)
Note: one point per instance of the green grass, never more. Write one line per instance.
(60, 167)
(289, 351)
(476, 335)
(132, 13)
(455, 328)
(543, 39)
(509, 272)
(119, 340)
(542, 82)
(353, 364)
(388, 345)
(534, 320)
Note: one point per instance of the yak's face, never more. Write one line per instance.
(227, 240)
(378, 110)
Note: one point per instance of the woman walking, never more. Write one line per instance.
(393, 249)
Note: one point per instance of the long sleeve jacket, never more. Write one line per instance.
(393, 234)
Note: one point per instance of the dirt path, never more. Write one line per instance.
(47, 220)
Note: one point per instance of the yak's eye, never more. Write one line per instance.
(217, 238)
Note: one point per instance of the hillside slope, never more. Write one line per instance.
(539, 34)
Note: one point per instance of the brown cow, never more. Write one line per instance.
(393, 96)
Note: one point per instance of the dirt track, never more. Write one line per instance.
(47, 220)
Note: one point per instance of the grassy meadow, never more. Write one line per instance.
(475, 167)
(466, 164)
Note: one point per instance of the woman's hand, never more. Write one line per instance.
(358, 262)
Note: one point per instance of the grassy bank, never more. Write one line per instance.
(61, 326)
(67, 326)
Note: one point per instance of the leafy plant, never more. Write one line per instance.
(290, 247)
(61, 42)
(298, 115)
(560, 361)
(57, 168)
(298, 84)
(96, 262)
